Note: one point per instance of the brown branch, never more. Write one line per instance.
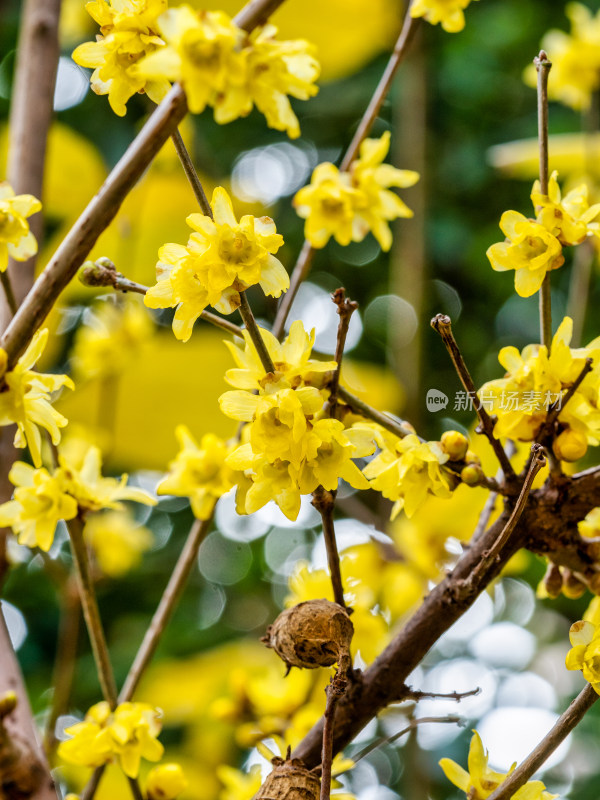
(191, 174)
(307, 253)
(398, 428)
(324, 502)
(89, 604)
(416, 694)
(104, 206)
(345, 309)
(443, 325)
(255, 334)
(557, 407)
(412, 724)
(561, 729)
(166, 606)
(334, 692)
(543, 67)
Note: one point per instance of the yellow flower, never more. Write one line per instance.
(328, 205)
(110, 338)
(480, 781)
(199, 472)
(165, 782)
(448, 12)
(372, 178)
(202, 54)
(222, 258)
(276, 70)
(531, 250)
(117, 541)
(93, 491)
(575, 59)
(406, 470)
(128, 733)
(293, 364)
(39, 503)
(569, 218)
(585, 651)
(347, 205)
(26, 400)
(129, 32)
(238, 785)
(16, 240)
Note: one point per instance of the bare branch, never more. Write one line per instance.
(324, 502)
(543, 67)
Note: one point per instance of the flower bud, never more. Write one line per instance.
(165, 782)
(553, 580)
(289, 780)
(572, 586)
(472, 474)
(455, 444)
(570, 445)
(472, 458)
(313, 634)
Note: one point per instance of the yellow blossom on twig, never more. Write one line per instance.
(165, 782)
(447, 12)
(16, 240)
(569, 218)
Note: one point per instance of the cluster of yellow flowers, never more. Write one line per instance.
(535, 380)
(481, 781)
(347, 205)
(144, 46)
(16, 240)
(25, 400)
(42, 499)
(290, 444)
(447, 12)
(129, 733)
(222, 258)
(584, 654)
(534, 247)
(575, 58)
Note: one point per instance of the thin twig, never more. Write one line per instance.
(334, 692)
(345, 309)
(397, 427)
(166, 606)
(537, 462)
(89, 604)
(416, 694)
(324, 502)
(307, 253)
(413, 723)
(192, 175)
(556, 408)
(8, 292)
(561, 729)
(543, 66)
(255, 334)
(443, 325)
(103, 208)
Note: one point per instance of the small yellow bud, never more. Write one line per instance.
(455, 444)
(572, 588)
(472, 475)
(165, 782)
(570, 445)
(472, 458)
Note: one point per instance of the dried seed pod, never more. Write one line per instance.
(313, 634)
(289, 780)
(553, 580)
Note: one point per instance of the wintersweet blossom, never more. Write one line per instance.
(219, 65)
(16, 240)
(585, 651)
(222, 258)
(129, 32)
(40, 501)
(535, 380)
(291, 358)
(480, 781)
(447, 12)
(530, 249)
(26, 400)
(575, 58)
(165, 782)
(129, 733)
(199, 472)
(84, 481)
(406, 470)
(347, 205)
(569, 218)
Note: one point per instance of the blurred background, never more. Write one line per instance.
(455, 104)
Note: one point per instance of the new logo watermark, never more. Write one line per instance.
(436, 400)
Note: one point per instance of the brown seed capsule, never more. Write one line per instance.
(290, 780)
(313, 634)
(573, 587)
(553, 580)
